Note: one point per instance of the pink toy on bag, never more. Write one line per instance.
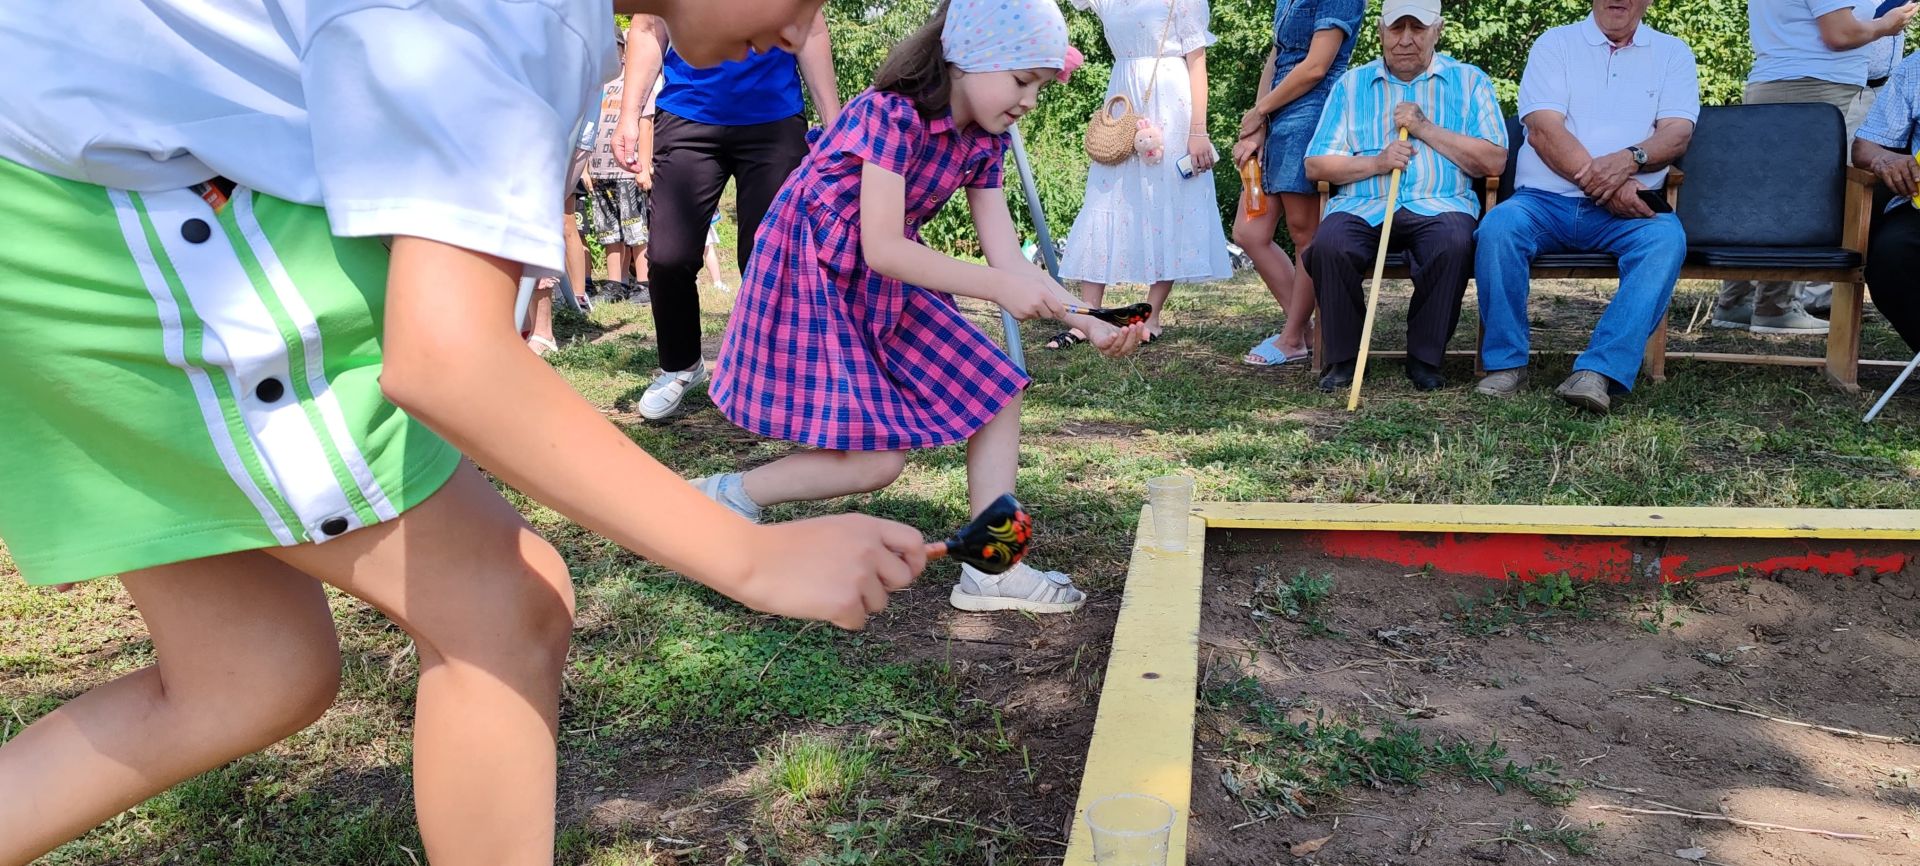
(1149, 143)
(1074, 59)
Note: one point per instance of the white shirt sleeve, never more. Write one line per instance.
(452, 121)
(1823, 7)
(1680, 88)
(1544, 85)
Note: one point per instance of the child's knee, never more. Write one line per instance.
(874, 470)
(516, 617)
(280, 688)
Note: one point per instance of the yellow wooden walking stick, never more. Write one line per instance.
(1373, 295)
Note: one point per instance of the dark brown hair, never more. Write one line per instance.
(917, 68)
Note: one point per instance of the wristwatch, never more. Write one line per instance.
(1639, 156)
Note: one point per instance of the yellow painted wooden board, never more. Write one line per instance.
(1570, 520)
(1143, 733)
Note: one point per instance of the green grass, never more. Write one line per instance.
(1519, 602)
(811, 769)
(1300, 600)
(664, 670)
(1296, 767)
(1575, 839)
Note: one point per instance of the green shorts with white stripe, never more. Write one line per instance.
(177, 382)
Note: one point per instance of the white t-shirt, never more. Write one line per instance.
(1610, 97)
(1786, 43)
(443, 119)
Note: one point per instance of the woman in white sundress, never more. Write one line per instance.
(1145, 223)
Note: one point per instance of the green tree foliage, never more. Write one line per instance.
(1493, 34)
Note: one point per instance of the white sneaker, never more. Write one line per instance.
(1021, 587)
(663, 396)
(727, 489)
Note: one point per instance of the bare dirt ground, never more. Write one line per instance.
(1577, 687)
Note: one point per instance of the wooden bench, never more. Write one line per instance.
(1769, 196)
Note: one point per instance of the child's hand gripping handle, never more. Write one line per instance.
(1118, 317)
(994, 541)
(839, 569)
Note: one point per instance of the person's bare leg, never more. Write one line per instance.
(993, 458)
(617, 264)
(1092, 293)
(1303, 219)
(1255, 236)
(712, 261)
(245, 655)
(1157, 295)
(813, 475)
(542, 317)
(489, 606)
(639, 259)
(577, 262)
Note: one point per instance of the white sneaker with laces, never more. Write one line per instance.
(663, 396)
(1021, 587)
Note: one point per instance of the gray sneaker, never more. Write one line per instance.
(1796, 320)
(1736, 318)
(1587, 390)
(1021, 587)
(1503, 383)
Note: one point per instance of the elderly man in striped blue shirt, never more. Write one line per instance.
(1454, 134)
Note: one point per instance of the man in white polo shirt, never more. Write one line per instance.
(1803, 51)
(1608, 103)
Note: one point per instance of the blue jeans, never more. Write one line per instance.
(1649, 251)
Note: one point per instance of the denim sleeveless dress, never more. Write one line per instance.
(1283, 169)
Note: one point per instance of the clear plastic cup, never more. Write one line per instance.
(1130, 830)
(1171, 497)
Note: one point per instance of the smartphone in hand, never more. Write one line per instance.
(1185, 163)
(1656, 200)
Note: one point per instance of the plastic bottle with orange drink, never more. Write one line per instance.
(1250, 187)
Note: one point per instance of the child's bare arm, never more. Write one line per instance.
(884, 244)
(454, 360)
(1001, 242)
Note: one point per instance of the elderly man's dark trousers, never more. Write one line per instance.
(1893, 270)
(1439, 253)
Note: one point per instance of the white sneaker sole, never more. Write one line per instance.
(1728, 325)
(986, 603)
(1766, 329)
(673, 408)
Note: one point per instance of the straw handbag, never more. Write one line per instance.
(1109, 138)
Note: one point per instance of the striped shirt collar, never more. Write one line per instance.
(1441, 66)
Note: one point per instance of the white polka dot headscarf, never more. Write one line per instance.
(1005, 35)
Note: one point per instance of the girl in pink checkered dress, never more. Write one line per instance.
(846, 336)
